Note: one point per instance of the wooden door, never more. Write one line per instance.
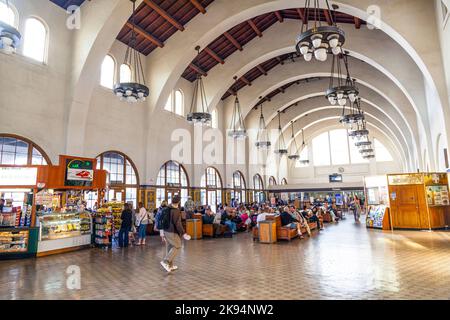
(405, 207)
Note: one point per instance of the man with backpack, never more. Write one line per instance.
(170, 222)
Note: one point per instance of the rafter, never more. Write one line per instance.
(328, 17)
(246, 81)
(214, 55)
(279, 16)
(233, 40)
(357, 23)
(255, 28)
(260, 68)
(198, 6)
(301, 14)
(163, 13)
(146, 35)
(198, 69)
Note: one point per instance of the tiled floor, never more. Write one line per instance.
(345, 261)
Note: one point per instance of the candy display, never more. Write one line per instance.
(13, 241)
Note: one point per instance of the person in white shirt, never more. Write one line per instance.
(143, 218)
(261, 217)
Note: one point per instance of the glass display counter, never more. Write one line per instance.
(63, 231)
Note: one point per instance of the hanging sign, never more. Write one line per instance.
(18, 176)
(79, 172)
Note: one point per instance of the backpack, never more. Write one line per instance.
(163, 218)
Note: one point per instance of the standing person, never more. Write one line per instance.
(357, 208)
(125, 227)
(173, 231)
(158, 227)
(142, 220)
(2, 204)
(189, 207)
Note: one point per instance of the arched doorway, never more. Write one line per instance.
(211, 192)
(172, 180)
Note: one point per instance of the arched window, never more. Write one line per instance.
(211, 192)
(239, 188)
(125, 73)
(272, 181)
(123, 180)
(35, 40)
(172, 180)
(175, 102)
(8, 15)
(107, 72)
(258, 187)
(15, 150)
(284, 182)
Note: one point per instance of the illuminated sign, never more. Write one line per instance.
(79, 172)
(18, 176)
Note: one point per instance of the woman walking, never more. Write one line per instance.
(125, 227)
(142, 220)
(357, 208)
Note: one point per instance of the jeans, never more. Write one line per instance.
(231, 225)
(173, 246)
(142, 231)
(123, 237)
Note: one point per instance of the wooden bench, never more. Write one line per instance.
(283, 233)
(208, 230)
(327, 217)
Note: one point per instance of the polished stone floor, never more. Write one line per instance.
(345, 261)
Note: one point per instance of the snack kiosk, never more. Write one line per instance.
(64, 223)
(18, 235)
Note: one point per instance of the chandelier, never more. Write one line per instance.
(369, 156)
(294, 147)
(10, 37)
(303, 161)
(342, 89)
(360, 133)
(281, 147)
(199, 113)
(135, 90)
(354, 116)
(316, 37)
(262, 140)
(363, 144)
(237, 127)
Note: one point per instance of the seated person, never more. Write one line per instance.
(226, 219)
(289, 222)
(246, 221)
(208, 217)
(301, 220)
(315, 218)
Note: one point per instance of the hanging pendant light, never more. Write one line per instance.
(10, 37)
(361, 133)
(199, 113)
(237, 126)
(354, 115)
(262, 140)
(294, 147)
(135, 90)
(318, 39)
(342, 90)
(281, 146)
(303, 161)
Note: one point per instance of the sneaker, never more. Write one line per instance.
(173, 268)
(165, 266)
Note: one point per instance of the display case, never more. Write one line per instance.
(63, 231)
(58, 225)
(18, 243)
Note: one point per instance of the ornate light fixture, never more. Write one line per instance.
(237, 127)
(199, 113)
(369, 156)
(303, 161)
(318, 38)
(281, 146)
(262, 140)
(354, 116)
(10, 37)
(294, 147)
(363, 144)
(135, 90)
(360, 133)
(345, 88)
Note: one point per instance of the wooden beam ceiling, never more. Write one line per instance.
(198, 69)
(214, 55)
(163, 13)
(232, 40)
(146, 35)
(260, 68)
(328, 17)
(255, 28)
(279, 16)
(198, 6)
(357, 23)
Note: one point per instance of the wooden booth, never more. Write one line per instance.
(418, 200)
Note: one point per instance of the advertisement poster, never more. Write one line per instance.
(79, 173)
